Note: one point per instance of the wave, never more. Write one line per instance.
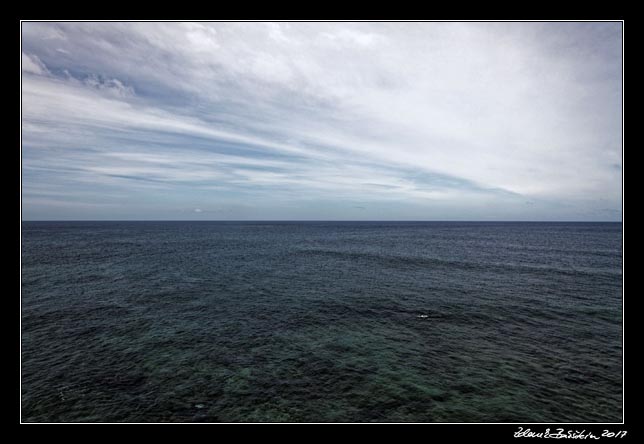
(393, 260)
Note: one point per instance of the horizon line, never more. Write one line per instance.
(319, 220)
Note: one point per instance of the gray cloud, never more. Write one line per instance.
(452, 120)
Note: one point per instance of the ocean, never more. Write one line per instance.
(321, 322)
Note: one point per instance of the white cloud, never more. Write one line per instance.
(112, 86)
(353, 109)
(32, 64)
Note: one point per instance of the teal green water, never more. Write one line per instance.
(321, 322)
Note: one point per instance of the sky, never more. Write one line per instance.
(322, 121)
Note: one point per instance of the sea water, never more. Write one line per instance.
(321, 322)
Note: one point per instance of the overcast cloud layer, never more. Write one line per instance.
(335, 121)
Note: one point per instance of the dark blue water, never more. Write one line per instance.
(423, 322)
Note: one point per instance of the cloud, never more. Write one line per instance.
(112, 86)
(465, 119)
(32, 64)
